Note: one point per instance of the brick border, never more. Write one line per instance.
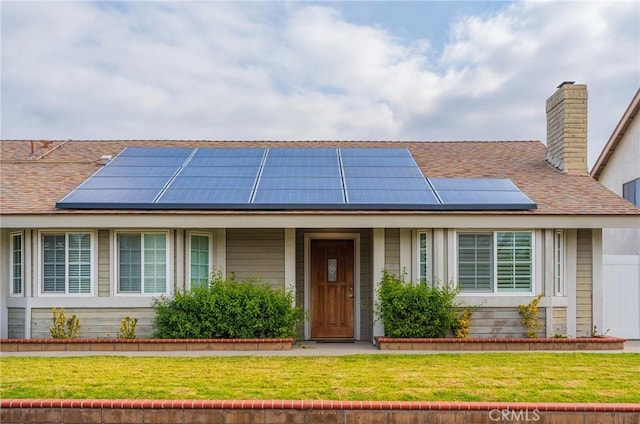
(316, 404)
(497, 344)
(58, 411)
(142, 345)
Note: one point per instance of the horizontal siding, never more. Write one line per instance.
(500, 322)
(256, 253)
(584, 284)
(559, 321)
(104, 264)
(15, 320)
(94, 322)
(392, 251)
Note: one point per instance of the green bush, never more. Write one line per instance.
(415, 310)
(227, 309)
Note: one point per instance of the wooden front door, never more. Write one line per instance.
(332, 290)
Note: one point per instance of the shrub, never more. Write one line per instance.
(462, 325)
(529, 312)
(415, 310)
(128, 328)
(64, 328)
(227, 309)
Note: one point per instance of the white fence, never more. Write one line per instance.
(621, 295)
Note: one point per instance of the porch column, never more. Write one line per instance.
(290, 261)
(597, 291)
(571, 262)
(378, 265)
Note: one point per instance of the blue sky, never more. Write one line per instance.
(415, 70)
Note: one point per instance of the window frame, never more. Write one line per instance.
(494, 263)
(12, 291)
(559, 263)
(632, 187)
(418, 243)
(92, 262)
(188, 264)
(116, 263)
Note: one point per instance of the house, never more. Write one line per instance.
(102, 228)
(618, 168)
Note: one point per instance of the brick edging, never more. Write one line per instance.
(142, 341)
(317, 405)
(503, 340)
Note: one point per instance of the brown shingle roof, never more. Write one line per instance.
(33, 184)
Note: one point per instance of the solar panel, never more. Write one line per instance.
(204, 196)
(80, 198)
(222, 171)
(374, 161)
(283, 178)
(374, 152)
(487, 198)
(392, 197)
(313, 161)
(390, 183)
(184, 182)
(499, 184)
(146, 160)
(124, 183)
(175, 152)
(303, 183)
(135, 171)
(225, 161)
(303, 151)
(239, 152)
(294, 196)
(300, 171)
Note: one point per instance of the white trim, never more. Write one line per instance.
(377, 261)
(290, 262)
(356, 277)
(534, 267)
(559, 244)
(39, 265)
(220, 250)
(187, 248)
(548, 282)
(12, 235)
(571, 269)
(116, 263)
(406, 252)
(597, 291)
(170, 219)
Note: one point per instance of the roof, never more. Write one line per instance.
(617, 135)
(33, 183)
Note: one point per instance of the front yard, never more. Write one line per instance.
(528, 377)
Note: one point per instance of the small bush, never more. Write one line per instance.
(462, 325)
(415, 310)
(529, 313)
(227, 309)
(64, 328)
(128, 328)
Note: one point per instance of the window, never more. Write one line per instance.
(142, 263)
(559, 263)
(17, 264)
(67, 263)
(631, 191)
(495, 262)
(199, 259)
(423, 270)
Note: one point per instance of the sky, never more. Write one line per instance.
(353, 70)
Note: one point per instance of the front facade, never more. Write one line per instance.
(618, 168)
(105, 264)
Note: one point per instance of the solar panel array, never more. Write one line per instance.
(283, 178)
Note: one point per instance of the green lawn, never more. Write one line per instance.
(544, 377)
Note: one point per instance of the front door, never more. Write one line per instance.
(332, 289)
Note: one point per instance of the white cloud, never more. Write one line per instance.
(300, 71)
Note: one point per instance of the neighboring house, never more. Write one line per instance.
(104, 250)
(618, 168)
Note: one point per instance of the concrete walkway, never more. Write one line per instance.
(303, 349)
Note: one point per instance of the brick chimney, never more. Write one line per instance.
(567, 129)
